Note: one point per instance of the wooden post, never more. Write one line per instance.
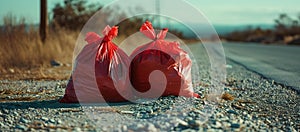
(43, 21)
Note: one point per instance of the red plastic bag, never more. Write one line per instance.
(108, 81)
(160, 64)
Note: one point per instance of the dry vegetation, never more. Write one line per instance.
(286, 31)
(23, 53)
(22, 48)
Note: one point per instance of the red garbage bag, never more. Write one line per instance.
(108, 81)
(160, 65)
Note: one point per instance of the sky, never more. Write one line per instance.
(222, 12)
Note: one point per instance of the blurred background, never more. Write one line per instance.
(42, 33)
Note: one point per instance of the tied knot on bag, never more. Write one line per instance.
(108, 32)
(105, 49)
(147, 30)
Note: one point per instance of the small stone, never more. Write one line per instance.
(224, 118)
(226, 89)
(5, 111)
(77, 129)
(232, 112)
(268, 121)
(151, 128)
(44, 118)
(124, 128)
(149, 110)
(194, 123)
(59, 121)
(16, 113)
(24, 120)
(218, 124)
(181, 122)
(1, 124)
(11, 70)
(167, 125)
(189, 118)
(145, 116)
(228, 66)
(52, 120)
(22, 127)
(139, 126)
(138, 114)
(104, 129)
(126, 112)
(143, 112)
(235, 125)
(55, 63)
(197, 111)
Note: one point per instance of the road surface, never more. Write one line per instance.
(280, 63)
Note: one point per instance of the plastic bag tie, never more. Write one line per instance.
(110, 33)
(148, 31)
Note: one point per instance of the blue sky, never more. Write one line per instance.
(226, 12)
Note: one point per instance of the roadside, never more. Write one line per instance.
(258, 104)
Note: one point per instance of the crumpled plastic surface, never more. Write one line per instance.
(108, 81)
(160, 65)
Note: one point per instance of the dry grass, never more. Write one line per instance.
(21, 46)
(21, 49)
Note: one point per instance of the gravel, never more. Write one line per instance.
(258, 105)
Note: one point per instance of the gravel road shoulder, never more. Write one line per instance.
(258, 104)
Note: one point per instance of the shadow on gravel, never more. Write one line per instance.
(52, 104)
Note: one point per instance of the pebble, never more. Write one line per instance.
(1, 124)
(268, 121)
(124, 128)
(22, 127)
(59, 121)
(218, 124)
(232, 112)
(224, 117)
(235, 125)
(126, 112)
(24, 120)
(11, 70)
(55, 63)
(16, 113)
(52, 120)
(44, 118)
(151, 127)
(228, 66)
(77, 129)
(104, 129)
(194, 123)
(189, 118)
(5, 111)
(181, 122)
(139, 126)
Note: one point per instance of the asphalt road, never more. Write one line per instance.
(280, 63)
